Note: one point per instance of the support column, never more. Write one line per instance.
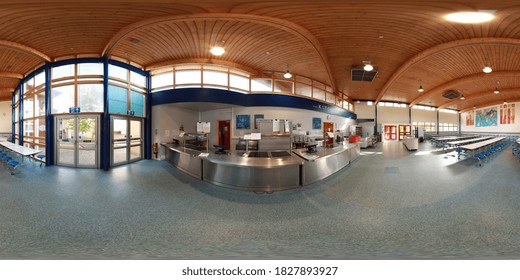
(148, 119)
(49, 123)
(104, 151)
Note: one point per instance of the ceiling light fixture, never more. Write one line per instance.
(462, 97)
(487, 69)
(287, 74)
(420, 89)
(368, 67)
(470, 17)
(218, 51)
(505, 101)
(496, 89)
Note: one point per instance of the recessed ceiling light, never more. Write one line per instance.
(470, 17)
(135, 41)
(218, 51)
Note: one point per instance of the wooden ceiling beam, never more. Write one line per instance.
(11, 75)
(451, 84)
(25, 49)
(420, 57)
(281, 24)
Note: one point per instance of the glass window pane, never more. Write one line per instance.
(319, 94)
(303, 89)
(62, 99)
(39, 79)
(39, 124)
(16, 96)
(62, 71)
(137, 79)
(40, 104)
(28, 108)
(283, 86)
(117, 72)
(162, 80)
(261, 85)
(28, 128)
(330, 98)
(90, 97)
(117, 100)
(90, 69)
(28, 85)
(137, 103)
(240, 82)
(215, 78)
(188, 77)
(16, 113)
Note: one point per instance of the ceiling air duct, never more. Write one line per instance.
(451, 94)
(359, 74)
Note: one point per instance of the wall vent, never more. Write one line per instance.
(360, 75)
(451, 94)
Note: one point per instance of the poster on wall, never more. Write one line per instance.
(243, 122)
(316, 123)
(258, 117)
(486, 117)
(470, 118)
(507, 114)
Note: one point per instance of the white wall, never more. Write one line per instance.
(448, 118)
(424, 116)
(166, 121)
(363, 111)
(392, 115)
(5, 116)
(500, 128)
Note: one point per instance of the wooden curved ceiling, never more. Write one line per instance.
(408, 41)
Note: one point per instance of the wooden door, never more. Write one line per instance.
(328, 127)
(224, 133)
(390, 132)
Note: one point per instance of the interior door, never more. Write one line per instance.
(66, 141)
(127, 140)
(224, 133)
(77, 140)
(390, 132)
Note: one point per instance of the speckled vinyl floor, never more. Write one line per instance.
(389, 204)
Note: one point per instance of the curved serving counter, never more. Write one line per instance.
(264, 171)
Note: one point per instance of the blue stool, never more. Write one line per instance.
(40, 157)
(13, 164)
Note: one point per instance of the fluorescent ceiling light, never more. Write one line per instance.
(470, 17)
(218, 51)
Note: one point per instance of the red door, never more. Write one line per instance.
(390, 132)
(224, 133)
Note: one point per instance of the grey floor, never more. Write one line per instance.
(389, 204)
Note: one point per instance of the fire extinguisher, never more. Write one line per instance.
(155, 149)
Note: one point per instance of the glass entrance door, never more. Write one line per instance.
(127, 140)
(77, 141)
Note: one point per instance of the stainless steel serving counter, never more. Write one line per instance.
(264, 171)
(185, 159)
(326, 161)
(253, 173)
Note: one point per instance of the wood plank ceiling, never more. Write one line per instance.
(407, 40)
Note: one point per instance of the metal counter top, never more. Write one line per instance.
(234, 158)
(323, 152)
